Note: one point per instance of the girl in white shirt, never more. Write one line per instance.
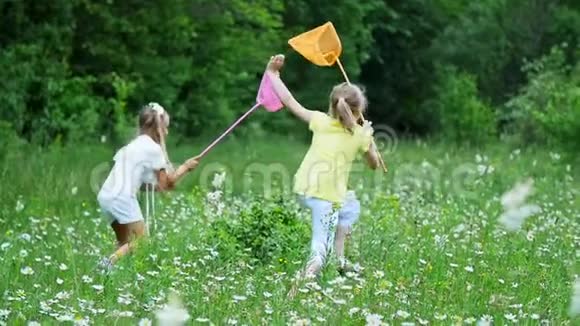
(143, 161)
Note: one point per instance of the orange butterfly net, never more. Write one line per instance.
(320, 46)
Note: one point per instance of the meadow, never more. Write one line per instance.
(429, 243)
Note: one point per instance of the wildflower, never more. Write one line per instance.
(23, 253)
(27, 271)
(218, 180)
(374, 320)
(469, 269)
(4, 313)
(267, 294)
(33, 323)
(99, 288)
(353, 311)
(301, 322)
(74, 190)
(530, 235)
(202, 320)
(403, 314)
(440, 316)
(19, 206)
(511, 317)
(173, 314)
(87, 279)
(65, 317)
(486, 320)
(459, 228)
(440, 240)
(379, 274)
(62, 295)
(127, 314)
(59, 281)
(239, 298)
(62, 267)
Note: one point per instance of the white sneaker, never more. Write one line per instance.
(105, 265)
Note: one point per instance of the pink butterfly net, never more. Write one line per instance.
(266, 97)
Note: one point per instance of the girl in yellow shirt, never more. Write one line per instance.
(321, 181)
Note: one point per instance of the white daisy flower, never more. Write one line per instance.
(374, 320)
(402, 314)
(145, 322)
(26, 270)
(240, 298)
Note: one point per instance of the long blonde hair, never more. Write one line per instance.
(154, 121)
(347, 104)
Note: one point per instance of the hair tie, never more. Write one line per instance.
(157, 108)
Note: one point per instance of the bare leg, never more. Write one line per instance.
(342, 233)
(313, 267)
(127, 235)
(120, 233)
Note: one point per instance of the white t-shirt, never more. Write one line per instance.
(135, 164)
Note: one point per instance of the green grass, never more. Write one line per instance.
(428, 240)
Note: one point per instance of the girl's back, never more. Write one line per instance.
(326, 167)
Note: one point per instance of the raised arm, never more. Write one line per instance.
(273, 71)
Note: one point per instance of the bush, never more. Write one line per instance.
(43, 100)
(265, 231)
(10, 143)
(462, 115)
(547, 109)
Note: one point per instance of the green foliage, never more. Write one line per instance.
(265, 231)
(462, 115)
(11, 143)
(77, 69)
(43, 100)
(547, 109)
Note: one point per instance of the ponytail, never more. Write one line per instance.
(159, 122)
(345, 115)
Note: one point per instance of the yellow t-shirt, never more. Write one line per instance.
(326, 167)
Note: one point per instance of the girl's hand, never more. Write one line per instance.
(275, 64)
(191, 163)
(367, 128)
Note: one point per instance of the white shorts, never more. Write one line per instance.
(122, 209)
